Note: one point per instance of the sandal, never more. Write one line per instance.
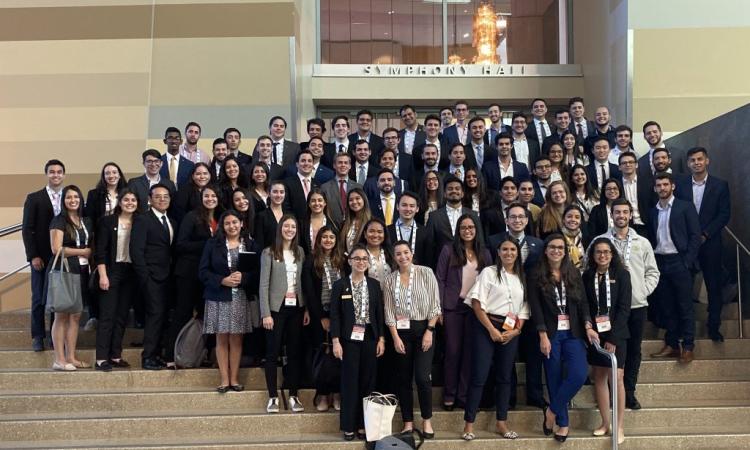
(468, 436)
(81, 365)
(509, 435)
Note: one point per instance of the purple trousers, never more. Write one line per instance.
(457, 362)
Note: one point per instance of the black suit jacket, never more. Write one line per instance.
(141, 187)
(376, 206)
(491, 173)
(684, 229)
(213, 267)
(304, 233)
(443, 161)
(531, 131)
(533, 245)
(376, 144)
(419, 240)
(186, 200)
(265, 228)
(644, 166)
(534, 153)
(312, 287)
(331, 190)
(243, 158)
(342, 309)
(588, 144)
(715, 206)
(544, 308)
(538, 199)
(37, 215)
(488, 154)
(96, 206)
(329, 152)
(450, 135)
(593, 167)
(150, 248)
(295, 195)
(439, 232)
(184, 169)
(191, 239)
(621, 295)
(549, 141)
(105, 244)
(419, 139)
(372, 170)
(288, 154)
(598, 221)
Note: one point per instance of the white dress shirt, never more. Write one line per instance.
(631, 194)
(503, 171)
(664, 244)
(338, 145)
(453, 215)
(699, 188)
(159, 216)
(409, 137)
(521, 146)
(538, 124)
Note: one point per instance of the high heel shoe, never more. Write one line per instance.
(560, 437)
(547, 431)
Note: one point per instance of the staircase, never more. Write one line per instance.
(704, 405)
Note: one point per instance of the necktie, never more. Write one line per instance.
(580, 131)
(604, 177)
(457, 173)
(166, 226)
(173, 169)
(342, 194)
(273, 155)
(361, 175)
(306, 185)
(56, 202)
(341, 148)
(388, 210)
(480, 155)
(544, 130)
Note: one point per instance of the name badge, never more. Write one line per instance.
(346, 297)
(603, 324)
(403, 323)
(83, 261)
(563, 322)
(290, 299)
(358, 333)
(510, 322)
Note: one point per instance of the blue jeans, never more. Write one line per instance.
(571, 351)
(38, 301)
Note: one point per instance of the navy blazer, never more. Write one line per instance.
(37, 215)
(533, 245)
(491, 173)
(593, 167)
(321, 175)
(684, 229)
(531, 131)
(449, 277)
(376, 206)
(450, 135)
(538, 199)
(419, 138)
(620, 290)
(184, 169)
(342, 309)
(715, 207)
(213, 268)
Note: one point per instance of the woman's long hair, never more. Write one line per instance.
(361, 217)
(603, 197)
(336, 257)
(481, 189)
(220, 235)
(224, 179)
(458, 253)
(101, 185)
(267, 183)
(568, 271)
(589, 191)
(517, 265)
(424, 196)
(386, 246)
(326, 210)
(204, 215)
(248, 217)
(577, 149)
(550, 219)
(122, 193)
(191, 182)
(70, 227)
(277, 248)
(614, 266)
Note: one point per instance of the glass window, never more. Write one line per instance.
(411, 31)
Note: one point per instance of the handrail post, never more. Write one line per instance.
(739, 293)
(615, 388)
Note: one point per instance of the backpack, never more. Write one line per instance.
(190, 346)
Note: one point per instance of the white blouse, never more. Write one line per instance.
(499, 296)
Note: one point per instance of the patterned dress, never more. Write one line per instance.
(235, 316)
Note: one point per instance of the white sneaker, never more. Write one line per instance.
(90, 324)
(273, 405)
(295, 404)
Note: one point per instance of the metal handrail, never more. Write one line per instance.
(739, 245)
(613, 361)
(13, 272)
(10, 229)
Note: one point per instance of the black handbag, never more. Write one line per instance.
(326, 367)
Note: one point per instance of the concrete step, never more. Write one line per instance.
(652, 395)
(715, 438)
(20, 338)
(254, 426)
(729, 328)
(46, 380)
(15, 319)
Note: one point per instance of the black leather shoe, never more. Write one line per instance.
(715, 335)
(222, 389)
(561, 438)
(545, 430)
(38, 344)
(348, 436)
(121, 364)
(152, 364)
(105, 366)
(237, 387)
(631, 402)
(361, 435)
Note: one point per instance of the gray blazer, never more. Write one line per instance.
(273, 282)
(331, 189)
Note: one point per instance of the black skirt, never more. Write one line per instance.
(597, 359)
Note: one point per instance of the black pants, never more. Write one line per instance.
(673, 299)
(155, 302)
(114, 305)
(415, 364)
(38, 300)
(486, 353)
(633, 348)
(709, 258)
(529, 349)
(358, 369)
(287, 329)
(189, 299)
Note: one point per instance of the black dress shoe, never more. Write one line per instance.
(222, 389)
(152, 364)
(104, 366)
(545, 430)
(38, 344)
(361, 436)
(631, 402)
(560, 437)
(448, 407)
(237, 387)
(715, 336)
(121, 364)
(348, 436)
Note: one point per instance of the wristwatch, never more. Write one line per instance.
(430, 328)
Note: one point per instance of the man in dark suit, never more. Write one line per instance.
(405, 228)
(321, 173)
(441, 226)
(262, 154)
(412, 135)
(637, 192)
(340, 125)
(175, 167)
(363, 167)
(234, 139)
(384, 201)
(430, 155)
(284, 151)
(220, 151)
(676, 238)
(299, 184)
(459, 131)
(151, 253)
(602, 128)
(388, 161)
(152, 162)
(397, 160)
(364, 131)
(336, 190)
(39, 209)
(579, 125)
(661, 161)
(316, 127)
(562, 122)
(525, 151)
(432, 137)
(542, 179)
(539, 128)
(654, 137)
(503, 166)
(600, 169)
(710, 195)
(495, 114)
(476, 150)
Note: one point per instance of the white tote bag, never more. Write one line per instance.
(379, 410)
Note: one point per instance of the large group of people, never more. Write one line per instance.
(460, 246)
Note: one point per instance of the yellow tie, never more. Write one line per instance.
(388, 210)
(173, 169)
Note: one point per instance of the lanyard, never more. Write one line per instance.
(327, 270)
(362, 306)
(312, 236)
(408, 290)
(506, 282)
(381, 260)
(596, 291)
(229, 259)
(412, 235)
(85, 234)
(562, 302)
(628, 247)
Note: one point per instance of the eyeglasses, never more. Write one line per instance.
(467, 227)
(516, 217)
(358, 259)
(627, 163)
(603, 252)
(153, 161)
(612, 189)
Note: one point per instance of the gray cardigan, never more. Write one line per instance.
(273, 282)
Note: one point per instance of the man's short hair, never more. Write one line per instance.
(409, 194)
(503, 135)
(620, 202)
(337, 118)
(626, 155)
(404, 108)
(317, 121)
(340, 155)
(193, 124)
(386, 150)
(541, 157)
(431, 117)
(389, 130)
(621, 128)
(660, 150)
(275, 118)
(172, 130)
(599, 138)
(460, 102)
(450, 178)
(561, 111)
(457, 144)
(230, 130)
(57, 162)
(508, 180)
(664, 176)
(519, 114)
(651, 123)
(475, 119)
(574, 100)
(696, 150)
(218, 141)
(262, 137)
(157, 186)
(385, 170)
(539, 100)
(150, 152)
(304, 152)
(445, 108)
(362, 112)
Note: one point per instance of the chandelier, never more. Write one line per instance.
(486, 36)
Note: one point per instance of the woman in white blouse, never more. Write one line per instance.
(378, 247)
(412, 307)
(499, 303)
